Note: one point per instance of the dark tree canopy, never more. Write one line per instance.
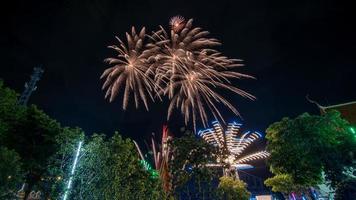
(11, 173)
(191, 178)
(29, 132)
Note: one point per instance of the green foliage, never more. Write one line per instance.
(27, 130)
(232, 189)
(60, 163)
(282, 183)
(10, 172)
(110, 169)
(10, 112)
(190, 175)
(31, 133)
(341, 149)
(34, 139)
(302, 148)
(293, 150)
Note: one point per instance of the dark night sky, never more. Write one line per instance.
(293, 48)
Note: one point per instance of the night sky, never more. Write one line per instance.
(292, 48)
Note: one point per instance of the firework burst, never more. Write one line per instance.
(177, 23)
(190, 71)
(129, 71)
(180, 63)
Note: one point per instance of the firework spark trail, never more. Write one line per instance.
(181, 64)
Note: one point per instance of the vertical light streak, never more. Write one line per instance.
(139, 150)
(69, 185)
(293, 195)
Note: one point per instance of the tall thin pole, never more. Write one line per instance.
(69, 184)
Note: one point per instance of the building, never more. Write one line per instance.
(347, 110)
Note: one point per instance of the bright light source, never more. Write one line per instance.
(72, 171)
(149, 168)
(352, 129)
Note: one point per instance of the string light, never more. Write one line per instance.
(69, 185)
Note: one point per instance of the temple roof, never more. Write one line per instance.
(347, 110)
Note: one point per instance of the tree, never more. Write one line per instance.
(110, 169)
(10, 112)
(232, 189)
(302, 148)
(283, 183)
(339, 148)
(191, 178)
(33, 138)
(60, 163)
(10, 173)
(29, 132)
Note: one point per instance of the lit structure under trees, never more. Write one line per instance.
(232, 144)
(181, 63)
(161, 157)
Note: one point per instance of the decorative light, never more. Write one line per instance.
(161, 157)
(69, 185)
(235, 142)
(293, 195)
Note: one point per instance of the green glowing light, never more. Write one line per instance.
(352, 129)
(146, 165)
(149, 168)
(154, 173)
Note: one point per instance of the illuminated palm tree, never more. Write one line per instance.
(232, 144)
